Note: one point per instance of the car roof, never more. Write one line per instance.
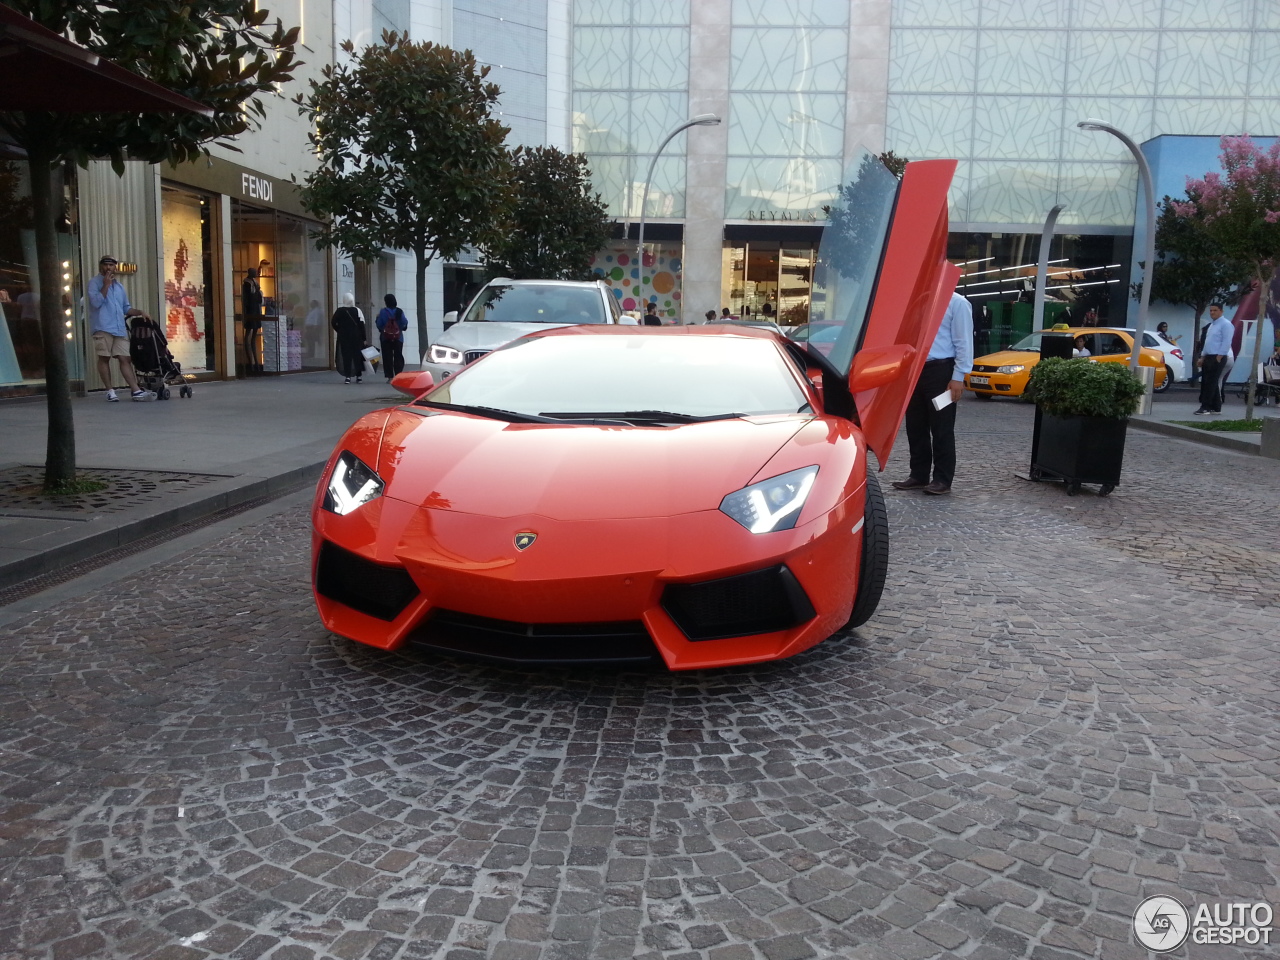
(507, 282)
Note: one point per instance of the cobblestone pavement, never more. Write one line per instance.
(1064, 705)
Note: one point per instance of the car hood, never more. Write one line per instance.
(484, 335)
(475, 465)
(1008, 356)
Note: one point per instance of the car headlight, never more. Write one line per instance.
(1011, 368)
(352, 484)
(439, 353)
(771, 504)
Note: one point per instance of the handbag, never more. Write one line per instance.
(371, 354)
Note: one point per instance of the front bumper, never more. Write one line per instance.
(996, 384)
(593, 577)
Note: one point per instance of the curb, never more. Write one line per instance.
(1206, 438)
(129, 530)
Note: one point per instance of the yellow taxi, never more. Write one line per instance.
(1005, 373)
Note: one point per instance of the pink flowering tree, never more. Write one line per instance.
(1240, 208)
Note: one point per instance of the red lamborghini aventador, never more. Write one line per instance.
(699, 495)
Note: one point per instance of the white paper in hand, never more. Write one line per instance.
(942, 400)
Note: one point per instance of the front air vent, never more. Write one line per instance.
(763, 601)
(509, 641)
(380, 590)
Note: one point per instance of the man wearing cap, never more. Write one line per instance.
(108, 307)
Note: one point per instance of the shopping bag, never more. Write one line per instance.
(372, 355)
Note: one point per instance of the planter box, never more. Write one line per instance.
(1079, 449)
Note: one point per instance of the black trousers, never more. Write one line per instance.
(1211, 381)
(252, 354)
(392, 357)
(931, 433)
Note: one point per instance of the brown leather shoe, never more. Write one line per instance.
(911, 483)
(937, 488)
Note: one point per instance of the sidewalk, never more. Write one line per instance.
(169, 462)
(1180, 403)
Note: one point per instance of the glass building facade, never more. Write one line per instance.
(999, 85)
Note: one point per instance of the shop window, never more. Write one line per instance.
(186, 224)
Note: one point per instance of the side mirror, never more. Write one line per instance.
(450, 319)
(876, 367)
(414, 383)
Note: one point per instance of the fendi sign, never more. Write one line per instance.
(259, 188)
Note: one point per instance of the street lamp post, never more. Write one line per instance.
(701, 120)
(1144, 171)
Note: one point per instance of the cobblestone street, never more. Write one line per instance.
(1064, 705)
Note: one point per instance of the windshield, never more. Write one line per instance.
(690, 376)
(538, 303)
(1031, 343)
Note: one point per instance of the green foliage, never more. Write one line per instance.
(1084, 388)
(555, 223)
(15, 209)
(1191, 270)
(220, 53)
(410, 156)
(897, 165)
(1223, 426)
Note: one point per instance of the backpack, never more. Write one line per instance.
(401, 325)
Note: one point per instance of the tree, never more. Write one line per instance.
(1190, 268)
(555, 224)
(1241, 213)
(410, 156)
(213, 51)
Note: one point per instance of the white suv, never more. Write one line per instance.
(506, 309)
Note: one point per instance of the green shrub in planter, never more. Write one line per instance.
(1084, 388)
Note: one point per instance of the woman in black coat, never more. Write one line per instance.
(352, 339)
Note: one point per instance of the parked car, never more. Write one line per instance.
(699, 496)
(506, 309)
(1005, 372)
(1175, 364)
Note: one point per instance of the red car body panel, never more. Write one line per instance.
(621, 513)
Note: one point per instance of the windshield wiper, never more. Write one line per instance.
(659, 416)
(492, 413)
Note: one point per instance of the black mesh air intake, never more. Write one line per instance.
(549, 643)
(376, 589)
(750, 603)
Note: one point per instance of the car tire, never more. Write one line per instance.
(874, 565)
(1168, 380)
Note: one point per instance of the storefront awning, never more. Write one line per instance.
(40, 70)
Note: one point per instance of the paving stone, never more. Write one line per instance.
(998, 768)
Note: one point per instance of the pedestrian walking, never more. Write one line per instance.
(348, 322)
(391, 323)
(1213, 361)
(931, 430)
(108, 307)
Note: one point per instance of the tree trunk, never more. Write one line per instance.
(1264, 296)
(423, 261)
(60, 450)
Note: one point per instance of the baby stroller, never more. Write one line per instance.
(152, 361)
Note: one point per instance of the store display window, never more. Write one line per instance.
(187, 234)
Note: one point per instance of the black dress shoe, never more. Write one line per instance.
(937, 488)
(911, 483)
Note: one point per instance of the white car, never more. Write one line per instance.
(1175, 364)
(506, 309)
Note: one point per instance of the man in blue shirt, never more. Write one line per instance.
(108, 307)
(1213, 360)
(931, 433)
